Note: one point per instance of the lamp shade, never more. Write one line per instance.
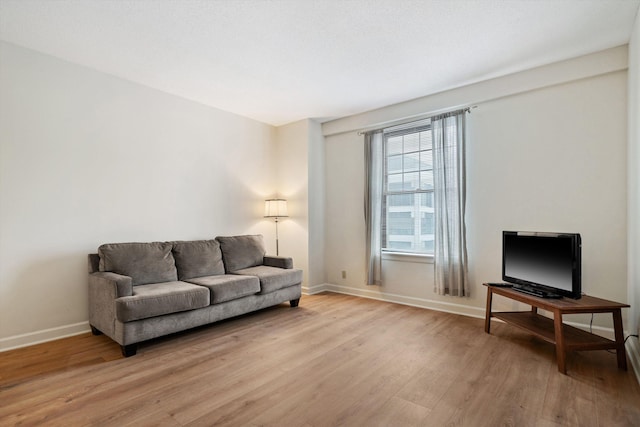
(275, 208)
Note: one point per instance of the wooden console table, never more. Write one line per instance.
(564, 337)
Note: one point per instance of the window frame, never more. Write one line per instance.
(416, 193)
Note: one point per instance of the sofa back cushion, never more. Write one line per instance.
(198, 258)
(143, 262)
(240, 252)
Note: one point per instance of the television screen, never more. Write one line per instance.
(550, 261)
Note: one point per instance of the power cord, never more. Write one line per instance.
(625, 340)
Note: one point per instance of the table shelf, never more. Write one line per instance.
(543, 327)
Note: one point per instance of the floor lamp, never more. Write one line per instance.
(275, 208)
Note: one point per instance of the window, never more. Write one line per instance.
(410, 206)
(407, 196)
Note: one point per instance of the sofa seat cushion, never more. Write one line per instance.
(228, 287)
(143, 262)
(197, 258)
(157, 299)
(273, 278)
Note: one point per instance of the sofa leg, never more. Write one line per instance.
(129, 350)
(95, 331)
(294, 302)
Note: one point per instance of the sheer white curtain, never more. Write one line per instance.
(448, 132)
(373, 205)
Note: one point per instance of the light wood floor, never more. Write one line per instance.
(335, 360)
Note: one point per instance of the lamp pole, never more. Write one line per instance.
(277, 249)
(276, 209)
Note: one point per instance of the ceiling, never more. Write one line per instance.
(279, 61)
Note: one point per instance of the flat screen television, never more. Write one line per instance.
(544, 264)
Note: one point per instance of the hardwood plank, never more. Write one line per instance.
(398, 412)
(614, 395)
(334, 360)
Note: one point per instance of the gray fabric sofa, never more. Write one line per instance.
(140, 291)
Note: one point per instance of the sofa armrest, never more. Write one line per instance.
(104, 289)
(112, 284)
(278, 261)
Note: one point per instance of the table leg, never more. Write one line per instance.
(619, 334)
(487, 316)
(561, 351)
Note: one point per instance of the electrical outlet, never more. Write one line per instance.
(344, 274)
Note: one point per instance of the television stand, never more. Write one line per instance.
(566, 338)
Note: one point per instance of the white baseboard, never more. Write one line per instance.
(32, 338)
(447, 307)
(315, 289)
(633, 352)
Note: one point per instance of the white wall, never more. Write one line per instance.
(546, 151)
(87, 158)
(300, 180)
(317, 204)
(292, 184)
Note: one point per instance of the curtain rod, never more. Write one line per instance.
(412, 119)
